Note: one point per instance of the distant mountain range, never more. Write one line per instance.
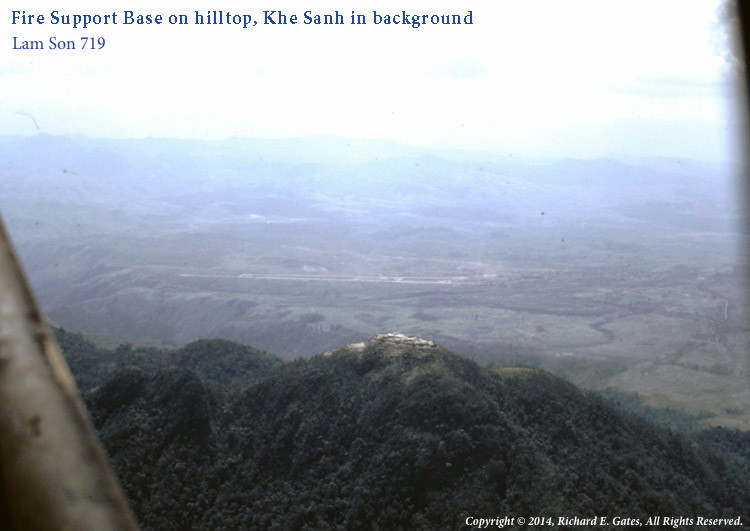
(162, 183)
(392, 433)
(615, 273)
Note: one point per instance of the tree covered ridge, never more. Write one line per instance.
(222, 364)
(386, 436)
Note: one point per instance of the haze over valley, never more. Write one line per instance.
(621, 273)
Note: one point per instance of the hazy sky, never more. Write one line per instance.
(545, 78)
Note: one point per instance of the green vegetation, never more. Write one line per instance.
(661, 335)
(632, 279)
(385, 435)
(222, 364)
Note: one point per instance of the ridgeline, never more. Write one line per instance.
(393, 433)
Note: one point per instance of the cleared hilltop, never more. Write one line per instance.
(613, 273)
(395, 432)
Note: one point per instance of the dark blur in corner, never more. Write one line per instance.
(743, 9)
(743, 137)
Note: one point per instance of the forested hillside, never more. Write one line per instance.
(394, 433)
(616, 273)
